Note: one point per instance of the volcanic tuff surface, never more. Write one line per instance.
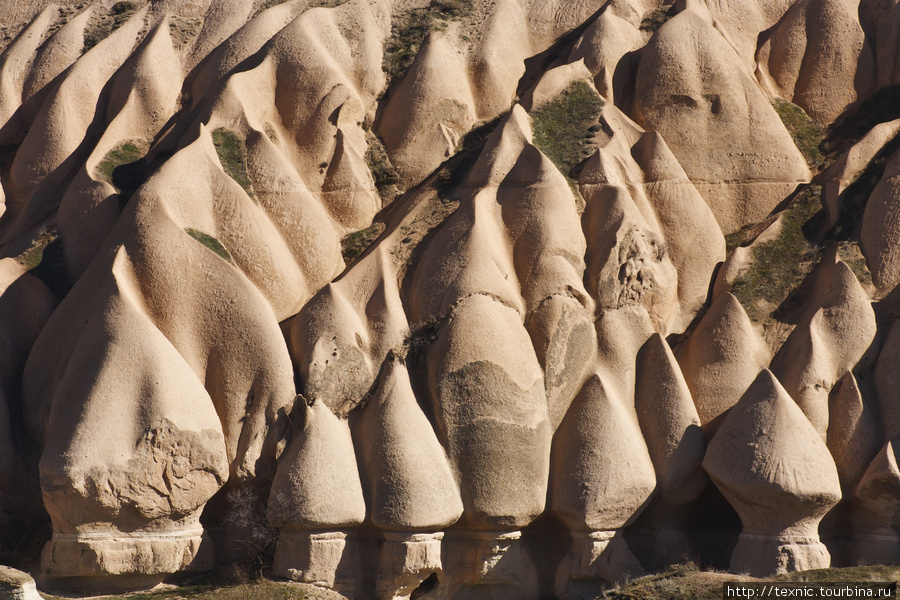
(465, 298)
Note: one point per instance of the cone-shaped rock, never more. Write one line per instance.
(408, 478)
(316, 497)
(880, 227)
(854, 435)
(602, 477)
(876, 511)
(669, 422)
(774, 469)
(721, 358)
(834, 331)
(819, 57)
(691, 88)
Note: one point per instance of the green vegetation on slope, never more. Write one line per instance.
(208, 590)
(407, 34)
(686, 582)
(211, 243)
(383, 172)
(102, 25)
(32, 257)
(354, 244)
(232, 154)
(565, 126)
(780, 265)
(655, 18)
(807, 134)
(123, 154)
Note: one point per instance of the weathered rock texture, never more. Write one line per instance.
(465, 294)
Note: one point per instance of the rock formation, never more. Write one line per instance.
(774, 468)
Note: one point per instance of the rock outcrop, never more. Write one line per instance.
(775, 470)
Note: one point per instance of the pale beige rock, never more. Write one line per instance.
(875, 509)
(635, 185)
(316, 496)
(17, 585)
(670, 423)
(849, 165)
(818, 57)
(780, 483)
(345, 331)
(602, 476)
(488, 565)
(17, 59)
(222, 18)
(721, 358)
(497, 60)
(428, 112)
(881, 229)
(406, 560)
(690, 87)
(854, 434)
(542, 223)
(143, 95)
(127, 498)
(885, 377)
(674, 438)
(605, 48)
(627, 263)
(317, 485)
(740, 22)
(834, 331)
(491, 413)
(57, 54)
(25, 306)
(554, 82)
(65, 116)
(693, 238)
(410, 484)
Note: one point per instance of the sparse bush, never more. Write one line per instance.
(211, 243)
(232, 154)
(245, 518)
(383, 172)
(657, 17)
(781, 264)
(562, 127)
(123, 154)
(807, 134)
(356, 243)
(407, 35)
(102, 26)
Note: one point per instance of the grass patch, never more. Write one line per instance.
(407, 35)
(686, 582)
(123, 154)
(354, 244)
(656, 18)
(565, 126)
(211, 243)
(101, 26)
(31, 258)
(207, 590)
(383, 172)
(45, 259)
(232, 154)
(780, 265)
(807, 134)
